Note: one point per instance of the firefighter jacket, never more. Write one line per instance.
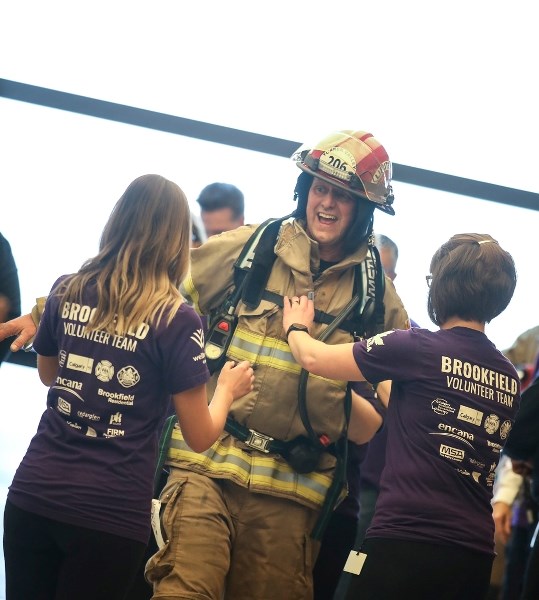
(272, 406)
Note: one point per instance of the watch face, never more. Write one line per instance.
(212, 351)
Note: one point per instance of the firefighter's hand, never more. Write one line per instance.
(23, 327)
(237, 378)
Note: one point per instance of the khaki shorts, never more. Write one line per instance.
(223, 541)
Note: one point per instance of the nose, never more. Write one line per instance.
(329, 198)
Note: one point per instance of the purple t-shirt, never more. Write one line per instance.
(453, 402)
(92, 460)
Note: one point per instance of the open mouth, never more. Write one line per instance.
(326, 219)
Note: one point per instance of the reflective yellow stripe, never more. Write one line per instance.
(269, 352)
(259, 472)
(191, 291)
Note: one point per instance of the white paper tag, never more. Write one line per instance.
(156, 523)
(354, 562)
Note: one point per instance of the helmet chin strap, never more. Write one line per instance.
(360, 231)
(301, 193)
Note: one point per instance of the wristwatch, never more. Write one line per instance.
(296, 327)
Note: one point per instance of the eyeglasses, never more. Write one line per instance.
(429, 279)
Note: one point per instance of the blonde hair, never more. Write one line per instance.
(143, 258)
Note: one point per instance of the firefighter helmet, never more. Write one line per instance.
(354, 161)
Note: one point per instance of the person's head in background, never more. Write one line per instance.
(221, 207)
(389, 254)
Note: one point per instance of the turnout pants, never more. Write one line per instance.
(223, 541)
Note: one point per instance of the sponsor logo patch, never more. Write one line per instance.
(64, 406)
(104, 370)
(128, 376)
(492, 422)
(442, 407)
(80, 363)
(470, 415)
(116, 419)
(495, 447)
(505, 428)
(452, 453)
(198, 337)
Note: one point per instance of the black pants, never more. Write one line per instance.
(397, 569)
(50, 560)
(140, 589)
(531, 577)
(336, 545)
(516, 557)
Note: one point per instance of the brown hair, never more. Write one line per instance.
(473, 278)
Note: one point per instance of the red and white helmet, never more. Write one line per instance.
(354, 161)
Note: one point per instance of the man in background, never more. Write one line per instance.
(221, 207)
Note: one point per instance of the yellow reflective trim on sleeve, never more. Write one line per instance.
(191, 292)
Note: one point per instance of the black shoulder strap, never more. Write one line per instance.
(256, 260)
(253, 267)
(164, 441)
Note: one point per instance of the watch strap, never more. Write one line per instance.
(296, 327)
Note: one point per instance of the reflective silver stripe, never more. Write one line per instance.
(257, 471)
(262, 350)
(318, 487)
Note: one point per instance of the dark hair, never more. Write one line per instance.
(361, 227)
(222, 195)
(473, 279)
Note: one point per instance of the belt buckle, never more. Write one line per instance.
(258, 441)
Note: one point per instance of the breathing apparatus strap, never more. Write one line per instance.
(252, 271)
(368, 288)
(253, 266)
(164, 442)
